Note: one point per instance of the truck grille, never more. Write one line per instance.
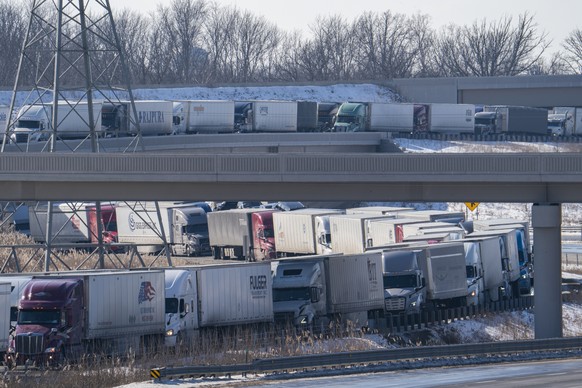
(29, 344)
(284, 317)
(395, 304)
(21, 137)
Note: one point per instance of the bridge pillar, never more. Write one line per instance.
(546, 222)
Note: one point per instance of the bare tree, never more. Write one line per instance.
(423, 40)
(489, 49)
(133, 30)
(573, 47)
(182, 22)
(330, 54)
(384, 48)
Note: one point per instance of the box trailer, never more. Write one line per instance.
(208, 116)
(245, 234)
(108, 313)
(350, 232)
(269, 116)
(213, 296)
(507, 119)
(451, 118)
(303, 231)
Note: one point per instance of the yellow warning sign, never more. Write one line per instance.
(472, 205)
(155, 373)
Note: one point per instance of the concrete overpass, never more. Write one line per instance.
(547, 180)
(539, 91)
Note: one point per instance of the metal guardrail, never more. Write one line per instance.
(367, 357)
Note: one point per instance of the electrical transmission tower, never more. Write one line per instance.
(72, 82)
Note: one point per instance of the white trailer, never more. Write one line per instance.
(4, 116)
(230, 233)
(271, 116)
(69, 222)
(303, 231)
(185, 227)
(451, 118)
(484, 256)
(422, 228)
(208, 116)
(382, 232)
(4, 316)
(350, 232)
(378, 210)
(34, 122)
(434, 215)
(390, 117)
(444, 270)
(312, 290)
(155, 117)
(216, 296)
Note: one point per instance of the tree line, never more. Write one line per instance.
(201, 42)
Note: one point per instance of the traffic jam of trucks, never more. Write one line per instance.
(33, 122)
(304, 268)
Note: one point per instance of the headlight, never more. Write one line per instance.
(473, 293)
(169, 333)
(51, 350)
(413, 304)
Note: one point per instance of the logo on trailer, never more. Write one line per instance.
(147, 292)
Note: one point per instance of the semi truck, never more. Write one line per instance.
(565, 121)
(73, 222)
(508, 119)
(244, 234)
(312, 291)
(404, 282)
(524, 246)
(509, 256)
(374, 117)
(350, 232)
(303, 232)
(277, 116)
(185, 227)
(5, 289)
(65, 317)
(484, 263)
(214, 296)
(206, 116)
(34, 122)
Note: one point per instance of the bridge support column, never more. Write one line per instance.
(546, 222)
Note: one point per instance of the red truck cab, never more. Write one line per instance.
(50, 322)
(263, 235)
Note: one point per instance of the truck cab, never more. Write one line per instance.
(32, 124)
(299, 294)
(486, 123)
(560, 124)
(190, 231)
(351, 117)
(263, 235)
(404, 283)
(181, 306)
(475, 284)
(50, 321)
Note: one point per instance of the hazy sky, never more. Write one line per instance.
(557, 18)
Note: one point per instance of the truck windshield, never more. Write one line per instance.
(172, 305)
(28, 124)
(346, 119)
(400, 281)
(39, 317)
(196, 229)
(284, 294)
(268, 233)
(483, 121)
(471, 272)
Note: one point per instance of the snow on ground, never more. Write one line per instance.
(506, 326)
